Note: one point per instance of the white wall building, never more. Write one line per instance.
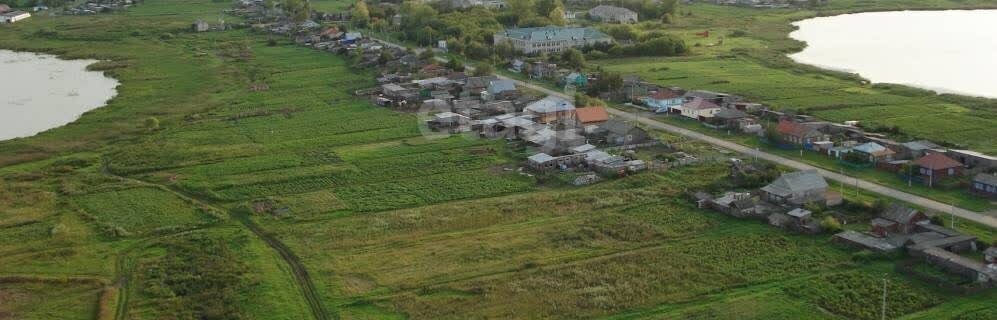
(14, 16)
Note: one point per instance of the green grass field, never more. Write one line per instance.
(388, 224)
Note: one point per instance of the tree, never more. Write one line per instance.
(360, 16)
(152, 123)
(556, 17)
(573, 58)
(608, 82)
(544, 7)
(385, 57)
(298, 10)
(426, 55)
(483, 69)
(455, 64)
(521, 10)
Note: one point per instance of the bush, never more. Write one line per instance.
(830, 225)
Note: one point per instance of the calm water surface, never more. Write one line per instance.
(945, 51)
(39, 92)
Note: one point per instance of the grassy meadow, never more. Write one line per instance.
(217, 212)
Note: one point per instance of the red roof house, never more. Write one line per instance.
(799, 133)
(936, 166)
(591, 115)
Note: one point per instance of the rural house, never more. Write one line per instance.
(606, 13)
(543, 70)
(621, 133)
(800, 133)
(551, 109)
(985, 184)
(796, 188)
(543, 162)
(972, 159)
(502, 90)
(936, 166)
(13, 16)
(575, 79)
(551, 39)
(591, 115)
(915, 149)
(730, 118)
(874, 152)
(635, 89)
(664, 101)
(797, 220)
(700, 109)
(897, 219)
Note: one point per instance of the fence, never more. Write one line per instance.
(906, 267)
(632, 146)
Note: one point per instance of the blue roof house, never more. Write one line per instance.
(576, 79)
(664, 101)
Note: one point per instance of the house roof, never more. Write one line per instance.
(900, 213)
(330, 31)
(989, 179)
(799, 213)
(616, 126)
(665, 95)
(610, 11)
(704, 94)
(583, 148)
(796, 182)
(921, 145)
(793, 128)
(869, 147)
(937, 161)
(700, 104)
(540, 158)
(499, 86)
(592, 114)
(731, 114)
(479, 82)
(553, 34)
(550, 104)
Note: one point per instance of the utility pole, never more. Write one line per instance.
(883, 309)
(910, 176)
(842, 182)
(952, 216)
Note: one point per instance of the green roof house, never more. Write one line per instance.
(550, 39)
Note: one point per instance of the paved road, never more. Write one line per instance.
(852, 181)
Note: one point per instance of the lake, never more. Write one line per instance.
(40, 92)
(945, 51)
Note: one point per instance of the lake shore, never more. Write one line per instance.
(45, 91)
(894, 52)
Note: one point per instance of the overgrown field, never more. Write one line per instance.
(249, 203)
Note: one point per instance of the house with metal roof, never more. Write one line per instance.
(552, 39)
(606, 13)
(501, 90)
(551, 109)
(700, 109)
(796, 188)
(874, 152)
(985, 184)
